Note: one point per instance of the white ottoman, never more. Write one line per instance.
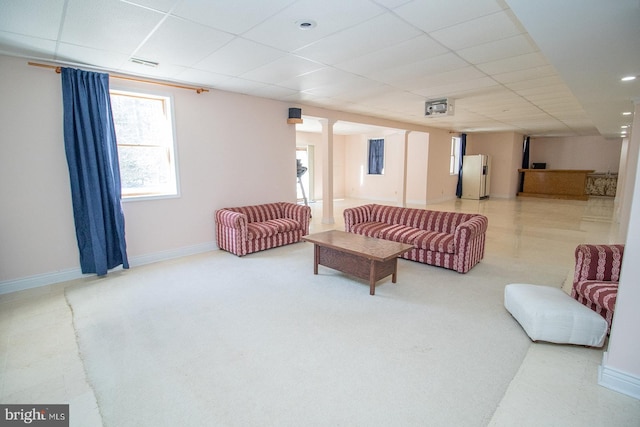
(548, 314)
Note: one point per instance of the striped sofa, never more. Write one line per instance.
(596, 276)
(247, 229)
(451, 240)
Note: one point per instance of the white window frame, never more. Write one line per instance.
(173, 189)
(454, 160)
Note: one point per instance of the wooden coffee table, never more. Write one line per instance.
(360, 256)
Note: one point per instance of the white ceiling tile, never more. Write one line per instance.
(238, 57)
(35, 18)
(499, 49)
(457, 88)
(432, 15)
(28, 46)
(331, 16)
(235, 17)
(93, 57)
(159, 5)
(409, 75)
(515, 63)
(201, 77)
(524, 74)
(407, 53)
(274, 92)
(375, 34)
(286, 68)
(338, 88)
(116, 26)
(478, 31)
(544, 81)
(177, 41)
(322, 77)
(239, 85)
(162, 71)
(454, 76)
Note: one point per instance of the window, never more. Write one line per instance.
(454, 162)
(376, 156)
(144, 131)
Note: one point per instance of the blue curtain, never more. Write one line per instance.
(525, 160)
(463, 150)
(92, 157)
(376, 156)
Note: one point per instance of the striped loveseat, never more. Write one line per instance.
(451, 240)
(247, 229)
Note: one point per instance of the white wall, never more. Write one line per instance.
(222, 162)
(585, 152)
(304, 139)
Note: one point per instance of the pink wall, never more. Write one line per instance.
(505, 151)
(585, 152)
(222, 162)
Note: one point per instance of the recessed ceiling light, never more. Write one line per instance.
(306, 24)
(626, 113)
(628, 78)
(624, 126)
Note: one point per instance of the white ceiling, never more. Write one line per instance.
(544, 67)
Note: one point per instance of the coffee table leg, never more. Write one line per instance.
(394, 276)
(316, 258)
(372, 278)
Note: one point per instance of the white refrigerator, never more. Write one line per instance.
(475, 176)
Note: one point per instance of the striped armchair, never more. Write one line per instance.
(596, 276)
(247, 229)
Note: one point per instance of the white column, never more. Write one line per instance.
(404, 168)
(327, 171)
(620, 369)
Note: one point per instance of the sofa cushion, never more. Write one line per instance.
(284, 224)
(259, 230)
(602, 294)
(370, 229)
(400, 233)
(434, 241)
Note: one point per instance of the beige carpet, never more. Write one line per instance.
(217, 340)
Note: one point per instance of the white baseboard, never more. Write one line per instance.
(619, 381)
(24, 283)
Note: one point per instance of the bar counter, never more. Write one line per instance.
(555, 183)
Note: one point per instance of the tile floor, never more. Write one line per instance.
(555, 386)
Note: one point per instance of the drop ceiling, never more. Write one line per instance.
(543, 68)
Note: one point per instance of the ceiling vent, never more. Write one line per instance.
(438, 107)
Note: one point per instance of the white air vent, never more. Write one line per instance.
(438, 107)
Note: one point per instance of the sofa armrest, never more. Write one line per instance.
(231, 219)
(470, 229)
(231, 231)
(297, 212)
(356, 215)
(469, 239)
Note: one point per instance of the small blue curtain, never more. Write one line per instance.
(525, 160)
(376, 156)
(463, 150)
(94, 172)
